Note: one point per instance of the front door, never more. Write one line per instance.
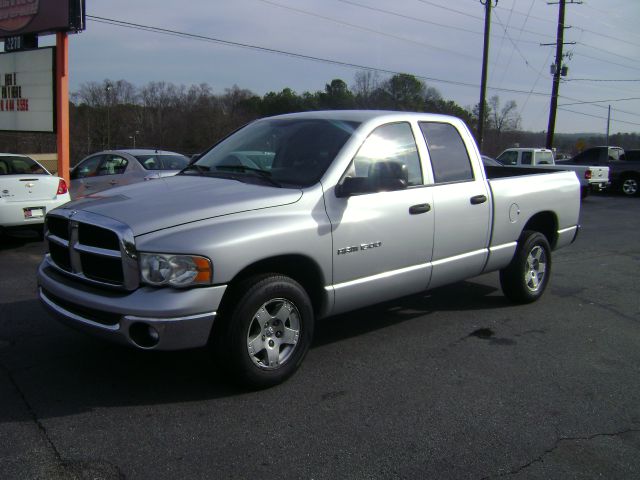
(382, 240)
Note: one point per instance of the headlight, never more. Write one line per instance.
(161, 269)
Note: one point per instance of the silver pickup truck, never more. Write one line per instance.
(294, 218)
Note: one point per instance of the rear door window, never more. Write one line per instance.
(526, 158)
(449, 158)
(162, 162)
(113, 165)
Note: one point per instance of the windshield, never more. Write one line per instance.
(294, 152)
(13, 165)
(155, 161)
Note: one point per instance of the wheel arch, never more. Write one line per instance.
(546, 223)
(300, 268)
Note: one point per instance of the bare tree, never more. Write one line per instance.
(505, 118)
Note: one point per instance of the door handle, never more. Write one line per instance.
(478, 199)
(113, 182)
(417, 209)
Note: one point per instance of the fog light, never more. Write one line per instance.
(144, 335)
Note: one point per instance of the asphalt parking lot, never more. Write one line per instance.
(455, 383)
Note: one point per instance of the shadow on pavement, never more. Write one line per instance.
(63, 372)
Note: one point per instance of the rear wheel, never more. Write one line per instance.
(630, 186)
(268, 333)
(526, 277)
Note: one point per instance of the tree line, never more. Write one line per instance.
(188, 119)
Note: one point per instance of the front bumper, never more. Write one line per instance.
(147, 318)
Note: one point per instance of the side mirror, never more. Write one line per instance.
(383, 176)
(353, 186)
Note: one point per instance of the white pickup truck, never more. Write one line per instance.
(294, 218)
(592, 177)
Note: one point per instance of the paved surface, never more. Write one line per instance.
(456, 383)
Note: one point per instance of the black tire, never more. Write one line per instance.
(630, 186)
(526, 277)
(267, 331)
(584, 192)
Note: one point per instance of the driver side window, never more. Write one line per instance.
(389, 146)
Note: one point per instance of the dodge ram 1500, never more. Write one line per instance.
(294, 218)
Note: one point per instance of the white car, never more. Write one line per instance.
(27, 192)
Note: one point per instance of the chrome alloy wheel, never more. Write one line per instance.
(630, 186)
(535, 269)
(273, 333)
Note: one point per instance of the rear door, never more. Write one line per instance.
(115, 170)
(462, 210)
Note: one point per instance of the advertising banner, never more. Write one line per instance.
(27, 100)
(19, 17)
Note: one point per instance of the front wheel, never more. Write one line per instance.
(526, 277)
(269, 331)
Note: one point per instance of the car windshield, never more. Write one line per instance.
(155, 161)
(14, 165)
(293, 152)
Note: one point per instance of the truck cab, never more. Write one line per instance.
(526, 156)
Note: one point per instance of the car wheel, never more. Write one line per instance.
(584, 192)
(526, 277)
(269, 331)
(630, 186)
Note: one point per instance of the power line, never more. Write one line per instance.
(542, 19)
(597, 116)
(601, 80)
(506, 69)
(366, 29)
(408, 17)
(607, 51)
(601, 101)
(430, 22)
(193, 36)
(451, 9)
(505, 34)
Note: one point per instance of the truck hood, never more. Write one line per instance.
(170, 201)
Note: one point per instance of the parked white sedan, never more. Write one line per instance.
(27, 192)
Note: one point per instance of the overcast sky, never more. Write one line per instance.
(439, 41)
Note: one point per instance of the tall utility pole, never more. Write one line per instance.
(608, 124)
(485, 61)
(557, 71)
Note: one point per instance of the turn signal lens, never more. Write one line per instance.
(62, 187)
(587, 174)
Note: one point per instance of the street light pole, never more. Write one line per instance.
(108, 93)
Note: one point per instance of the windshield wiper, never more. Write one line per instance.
(197, 168)
(241, 168)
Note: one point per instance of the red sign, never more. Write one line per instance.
(19, 17)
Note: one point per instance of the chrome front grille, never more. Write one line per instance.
(92, 248)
